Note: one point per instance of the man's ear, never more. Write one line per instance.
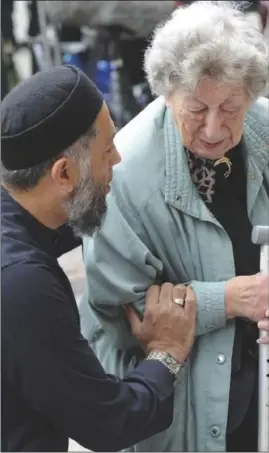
(65, 174)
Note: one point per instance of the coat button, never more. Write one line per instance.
(221, 359)
(215, 431)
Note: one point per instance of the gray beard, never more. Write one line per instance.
(87, 208)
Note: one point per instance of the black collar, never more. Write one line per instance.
(46, 238)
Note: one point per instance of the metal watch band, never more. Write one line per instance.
(168, 360)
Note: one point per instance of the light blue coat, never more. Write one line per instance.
(158, 229)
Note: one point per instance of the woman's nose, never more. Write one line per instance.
(212, 126)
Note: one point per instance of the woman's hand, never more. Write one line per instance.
(264, 325)
(248, 297)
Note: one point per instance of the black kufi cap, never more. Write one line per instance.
(46, 114)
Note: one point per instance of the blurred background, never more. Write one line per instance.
(107, 40)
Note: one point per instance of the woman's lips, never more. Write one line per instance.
(211, 145)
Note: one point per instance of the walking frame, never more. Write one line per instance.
(260, 235)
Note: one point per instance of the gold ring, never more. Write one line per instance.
(179, 301)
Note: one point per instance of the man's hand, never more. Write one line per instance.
(247, 297)
(264, 325)
(167, 326)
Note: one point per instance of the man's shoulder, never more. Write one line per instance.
(31, 295)
(25, 277)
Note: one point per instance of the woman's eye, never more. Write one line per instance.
(203, 110)
(231, 109)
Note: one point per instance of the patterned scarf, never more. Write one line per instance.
(203, 174)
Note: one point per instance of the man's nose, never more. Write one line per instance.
(115, 157)
(212, 126)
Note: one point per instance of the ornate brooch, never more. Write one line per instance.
(225, 160)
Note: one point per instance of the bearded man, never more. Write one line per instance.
(57, 159)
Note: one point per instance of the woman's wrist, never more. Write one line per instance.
(231, 297)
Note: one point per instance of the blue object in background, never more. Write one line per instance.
(100, 72)
(102, 77)
(73, 59)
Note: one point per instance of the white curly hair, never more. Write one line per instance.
(207, 38)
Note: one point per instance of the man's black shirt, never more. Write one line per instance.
(53, 386)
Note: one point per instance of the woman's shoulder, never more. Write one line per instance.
(141, 132)
(141, 147)
(259, 112)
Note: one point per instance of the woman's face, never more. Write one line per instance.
(210, 120)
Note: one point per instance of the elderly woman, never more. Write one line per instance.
(193, 181)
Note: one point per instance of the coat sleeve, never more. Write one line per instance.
(120, 266)
(51, 366)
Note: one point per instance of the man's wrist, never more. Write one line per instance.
(174, 366)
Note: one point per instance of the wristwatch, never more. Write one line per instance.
(173, 365)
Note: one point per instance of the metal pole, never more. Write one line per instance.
(260, 235)
(43, 31)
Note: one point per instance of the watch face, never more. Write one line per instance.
(170, 359)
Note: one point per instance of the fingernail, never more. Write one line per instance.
(263, 340)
